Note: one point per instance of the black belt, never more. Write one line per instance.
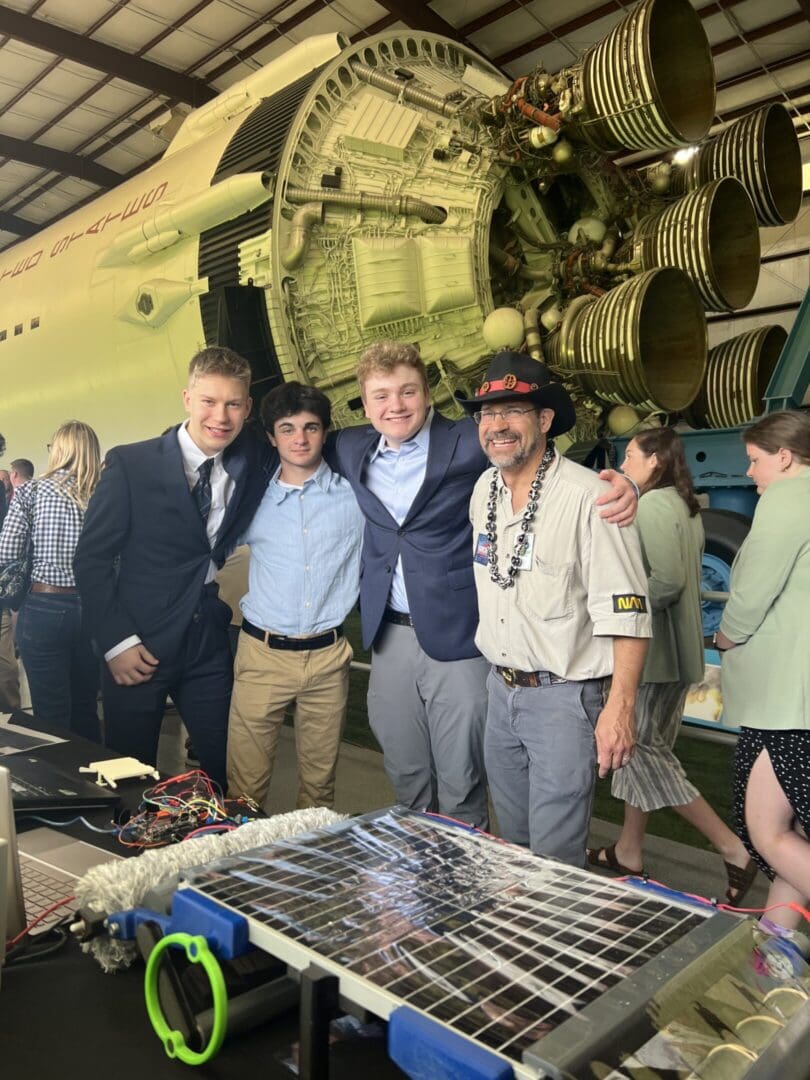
(398, 618)
(513, 677)
(293, 644)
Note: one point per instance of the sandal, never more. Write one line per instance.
(740, 879)
(605, 859)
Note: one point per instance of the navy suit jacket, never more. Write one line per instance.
(435, 539)
(143, 554)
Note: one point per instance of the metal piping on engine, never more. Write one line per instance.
(363, 200)
(425, 98)
(514, 266)
(531, 322)
(301, 224)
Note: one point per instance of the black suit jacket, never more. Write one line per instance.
(143, 555)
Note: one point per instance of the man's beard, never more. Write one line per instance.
(521, 454)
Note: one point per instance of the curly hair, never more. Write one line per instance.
(383, 356)
(290, 398)
(672, 470)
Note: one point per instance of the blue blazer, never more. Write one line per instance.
(435, 539)
(143, 554)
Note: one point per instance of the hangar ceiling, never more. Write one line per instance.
(91, 91)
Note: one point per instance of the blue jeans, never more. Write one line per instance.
(62, 669)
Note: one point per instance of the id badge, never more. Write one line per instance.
(527, 551)
(482, 550)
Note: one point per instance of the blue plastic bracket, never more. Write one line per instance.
(424, 1049)
(192, 913)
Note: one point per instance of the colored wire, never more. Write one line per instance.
(35, 922)
(180, 807)
(20, 955)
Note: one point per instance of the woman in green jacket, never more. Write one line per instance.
(765, 639)
(671, 533)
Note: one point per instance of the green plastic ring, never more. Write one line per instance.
(197, 951)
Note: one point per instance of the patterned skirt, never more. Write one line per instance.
(789, 752)
(654, 778)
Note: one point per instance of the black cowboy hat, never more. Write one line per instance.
(514, 375)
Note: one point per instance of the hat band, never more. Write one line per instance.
(509, 383)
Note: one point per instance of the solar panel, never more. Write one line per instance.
(497, 944)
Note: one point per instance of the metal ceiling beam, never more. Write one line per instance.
(758, 32)
(96, 54)
(59, 161)
(377, 28)
(793, 91)
(17, 225)
(612, 7)
(418, 16)
(760, 70)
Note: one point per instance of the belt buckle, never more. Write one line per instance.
(508, 675)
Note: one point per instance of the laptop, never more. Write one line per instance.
(40, 869)
(39, 786)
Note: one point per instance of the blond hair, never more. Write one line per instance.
(383, 356)
(218, 360)
(74, 450)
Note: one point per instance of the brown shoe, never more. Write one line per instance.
(740, 880)
(605, 859)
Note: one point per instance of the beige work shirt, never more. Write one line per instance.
(583, 583)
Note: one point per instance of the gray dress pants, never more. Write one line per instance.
(428, 716)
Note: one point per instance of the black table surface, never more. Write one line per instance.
(63, 1018)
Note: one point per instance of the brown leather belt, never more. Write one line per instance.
(513, 677)
(280, 641)
(62, 590)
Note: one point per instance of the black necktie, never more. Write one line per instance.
(202, 489)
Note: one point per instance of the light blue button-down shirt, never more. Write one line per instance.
(304, 556)
(395, 477)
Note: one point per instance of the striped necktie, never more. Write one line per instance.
(202, 489)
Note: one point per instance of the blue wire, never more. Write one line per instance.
(64, 824)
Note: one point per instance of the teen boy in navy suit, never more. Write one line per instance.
(165, 514)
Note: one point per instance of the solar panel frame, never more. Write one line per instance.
(408, 872)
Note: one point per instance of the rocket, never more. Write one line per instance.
(403, 188)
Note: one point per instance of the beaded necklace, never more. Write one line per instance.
(507, 580)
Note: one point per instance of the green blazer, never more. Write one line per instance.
(672, 546)
(766, 679)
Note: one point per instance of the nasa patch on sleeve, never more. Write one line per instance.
(629, 602)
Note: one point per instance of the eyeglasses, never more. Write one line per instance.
(511, 412)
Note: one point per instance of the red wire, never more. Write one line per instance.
(38, 919)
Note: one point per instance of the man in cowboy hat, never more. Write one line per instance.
(563, 605)
(413, 471)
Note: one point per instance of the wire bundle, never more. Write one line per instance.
(182, 807)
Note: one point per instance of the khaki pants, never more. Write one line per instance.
(266, 682)
(9, 669)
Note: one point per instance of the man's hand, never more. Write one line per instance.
(132, 666)
(615, 736)
(621, 502)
